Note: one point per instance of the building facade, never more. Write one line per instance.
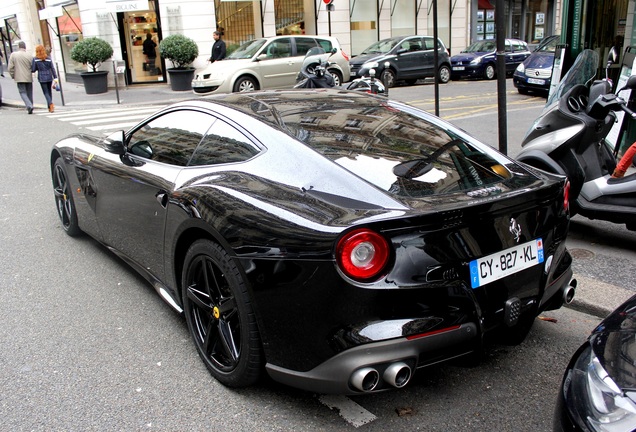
(59, 24)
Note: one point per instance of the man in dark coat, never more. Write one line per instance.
(218, 49)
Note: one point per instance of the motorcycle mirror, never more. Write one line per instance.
(631, 82)
(612, 56)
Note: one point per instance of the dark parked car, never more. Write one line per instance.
(535, 73)
(410, 58)
(479, 60)
(337, 240)
(598, 392)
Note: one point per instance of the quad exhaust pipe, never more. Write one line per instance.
(367, 379)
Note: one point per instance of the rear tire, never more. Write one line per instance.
(220, 316)
(337, 78)
(444, 74)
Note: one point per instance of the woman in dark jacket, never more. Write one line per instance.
(43, 65)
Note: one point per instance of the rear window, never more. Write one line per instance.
(396, 150)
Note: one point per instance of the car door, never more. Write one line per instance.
(134, 190)
(410, 57)
(276, 64)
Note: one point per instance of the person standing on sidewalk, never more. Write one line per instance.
(43, 65)
(20, 70)
(1, 70)
(218, 49)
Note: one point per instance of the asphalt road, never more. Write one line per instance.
(88, 345)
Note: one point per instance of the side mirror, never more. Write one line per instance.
(612, 56)
(114, 143)
(631, 82)
(401, 51)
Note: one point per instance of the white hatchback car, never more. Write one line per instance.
(268, 63)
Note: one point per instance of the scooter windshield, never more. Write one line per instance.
(583, 71)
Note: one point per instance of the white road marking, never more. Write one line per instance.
(353, 413)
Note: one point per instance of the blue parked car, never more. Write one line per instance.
(480, 61)
(535, 73)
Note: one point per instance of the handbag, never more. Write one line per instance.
(55, 85)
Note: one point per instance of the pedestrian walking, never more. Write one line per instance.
(1, 69)
(218, 48)
(43, 65)
(20, 70)
(150, 51)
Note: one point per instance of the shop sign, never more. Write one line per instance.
(50, 12)
(126, 5)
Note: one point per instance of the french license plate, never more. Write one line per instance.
(353, 73)
(459, 68)
(536, 81)
(501, 264)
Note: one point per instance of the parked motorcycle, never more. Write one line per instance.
(314, 73)
(569, 138)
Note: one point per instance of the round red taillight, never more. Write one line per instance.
(566, 196)
(362, 254)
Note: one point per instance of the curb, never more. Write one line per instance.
(598, 298)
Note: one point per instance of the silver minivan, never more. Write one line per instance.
(268, 63)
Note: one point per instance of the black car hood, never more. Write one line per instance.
(614, 343)
(363, 58)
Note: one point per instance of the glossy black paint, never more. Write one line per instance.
(280, 214)
(613, 342)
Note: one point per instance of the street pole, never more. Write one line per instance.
(435, 57)
(501, 76)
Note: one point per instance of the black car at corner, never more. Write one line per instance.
(535, 72)
(598, 392)
(409, 58)
(479, 60)
(336, 240)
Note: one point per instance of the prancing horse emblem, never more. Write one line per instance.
(515, 229)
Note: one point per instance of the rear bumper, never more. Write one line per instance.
(334, 376)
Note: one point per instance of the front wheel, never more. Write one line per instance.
(245, 84)
(220, 316)
(64, 199)
(388, 78)
(489, 72)
(444, 74)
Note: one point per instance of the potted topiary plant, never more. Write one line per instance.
(92, 52)
(181, 51)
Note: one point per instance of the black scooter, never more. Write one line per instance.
(569, 138)
(314, 73)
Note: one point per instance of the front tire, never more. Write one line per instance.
(245, 84)
(337, 78)
(388, 78)
(220, 316)
(489, 72)
(64, 199)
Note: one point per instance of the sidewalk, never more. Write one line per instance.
(76, 98)
(592, 297)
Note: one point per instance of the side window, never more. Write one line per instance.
(508, 47)
(303, 45)
(223, 144)
(325, 44)
(279, 48)
(414, 44)
(428, 43)
(405, 45)
(170, 138)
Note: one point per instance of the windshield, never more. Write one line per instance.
(247, 50)
(381, 47)
(549, 46)
(583, 71)
(481, 46)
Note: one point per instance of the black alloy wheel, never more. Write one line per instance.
(64, 199)
(388, 78)
(220, 316)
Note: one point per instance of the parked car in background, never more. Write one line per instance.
(410, 58)
(535, 72)
(338, 241)
(598, 392)
(268, 63)
(479, 60)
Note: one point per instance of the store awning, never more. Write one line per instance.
(68, 25)
(485, 4)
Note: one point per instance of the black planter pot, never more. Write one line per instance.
(181, 79)
(95, 82)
